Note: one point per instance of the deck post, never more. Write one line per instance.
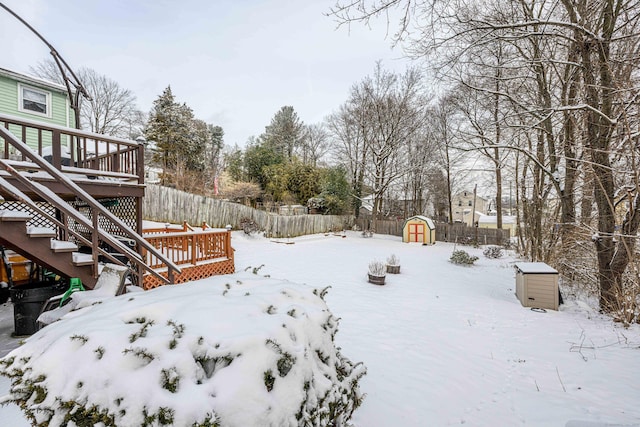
(94, 240)
(56, 158)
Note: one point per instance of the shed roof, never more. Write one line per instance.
(535, 268)
(429, 221)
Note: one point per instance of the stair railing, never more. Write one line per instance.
(97, 233)
(26, 200)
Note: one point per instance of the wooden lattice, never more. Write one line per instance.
(194, 272)
(36, 220)
(122, 207)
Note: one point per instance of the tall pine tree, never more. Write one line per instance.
(179, 139)
(286, 133)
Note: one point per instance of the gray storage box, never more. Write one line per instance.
(537, 285)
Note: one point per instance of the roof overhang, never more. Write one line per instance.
(34, 81)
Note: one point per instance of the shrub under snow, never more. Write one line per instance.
(238, 350)
(463, 258)
(493, 252)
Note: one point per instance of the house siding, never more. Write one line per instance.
(9, 100)
(462, 205)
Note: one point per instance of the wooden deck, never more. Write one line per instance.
(199, 253)
(103, 166)
(86, 189)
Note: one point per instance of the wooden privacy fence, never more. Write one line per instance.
(392, 227)
(169, 205)
(444, 232)
(462, 233)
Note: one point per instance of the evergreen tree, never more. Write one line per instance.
(214, 149)
(292, 182)
(184, 145)
(170, 128)
(336, 191)
(234, 161)
(257, 157)
(196, 150)
(286, 132)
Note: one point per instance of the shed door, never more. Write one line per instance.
(416, 233)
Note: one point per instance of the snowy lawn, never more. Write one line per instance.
(451, 345)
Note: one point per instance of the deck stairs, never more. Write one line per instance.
(46, 228)
(39, 244)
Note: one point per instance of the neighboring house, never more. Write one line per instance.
(491, 221)
(392, 208)
(366, 208)
(152, 175)
(34, 99)
(462, 205)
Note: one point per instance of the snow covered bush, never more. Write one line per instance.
(626, 308)
(316, 203)
(493, 252)
(248, 225)
(377, 268)
(463, 258)
(236, 350)
(393, 264)
(393, 260)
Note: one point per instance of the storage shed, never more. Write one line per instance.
(419, 229)
(537, 285)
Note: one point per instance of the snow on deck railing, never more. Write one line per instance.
(98, 234)
(190, 247)
(73, 148)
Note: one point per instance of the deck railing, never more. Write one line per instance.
(70, 150)
(119, 158)
(190, 247)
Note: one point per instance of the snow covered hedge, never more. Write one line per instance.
(238, 350)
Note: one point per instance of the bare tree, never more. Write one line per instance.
(112, 109)
(350, 147)
(394, 106)
(578, 57)
(417, 181)
(315, 143)
(444, 128)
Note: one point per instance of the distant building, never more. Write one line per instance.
(491, 221)
(462, 205)
(397, 208)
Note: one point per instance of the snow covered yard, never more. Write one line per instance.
(451, 345)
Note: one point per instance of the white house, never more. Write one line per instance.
(462, 205)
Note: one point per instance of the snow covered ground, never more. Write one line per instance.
(451, 345)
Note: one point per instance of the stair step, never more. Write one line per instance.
(63, 246)
(6, 215)
(40, 232)
(80, 259)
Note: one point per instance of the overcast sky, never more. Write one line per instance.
(234, 62)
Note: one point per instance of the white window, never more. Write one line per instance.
(34, 101)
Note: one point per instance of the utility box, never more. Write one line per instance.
(537, 285)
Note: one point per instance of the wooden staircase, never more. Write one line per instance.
(45, 215)
(39, 244)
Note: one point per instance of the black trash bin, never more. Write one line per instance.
(27, 304)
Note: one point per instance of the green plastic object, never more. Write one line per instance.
(75, 284)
